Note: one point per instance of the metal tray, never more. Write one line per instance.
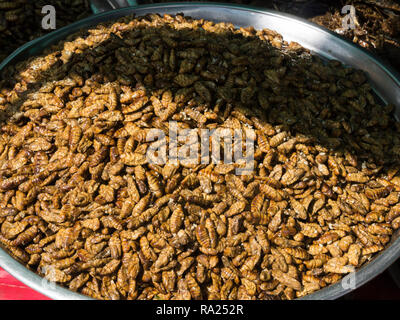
(321, 41)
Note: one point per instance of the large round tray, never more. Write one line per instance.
(323, 42)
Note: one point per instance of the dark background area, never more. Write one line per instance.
(377, 28)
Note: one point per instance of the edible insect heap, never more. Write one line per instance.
(81, 205)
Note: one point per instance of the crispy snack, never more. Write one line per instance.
(82, 205)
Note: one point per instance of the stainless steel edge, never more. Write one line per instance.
(106, 5)
(36, 282)
(320, 40)
(366, 273)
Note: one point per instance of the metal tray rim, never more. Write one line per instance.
(86, 22)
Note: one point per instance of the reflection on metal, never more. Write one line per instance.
(106, 5)
(322, 41)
